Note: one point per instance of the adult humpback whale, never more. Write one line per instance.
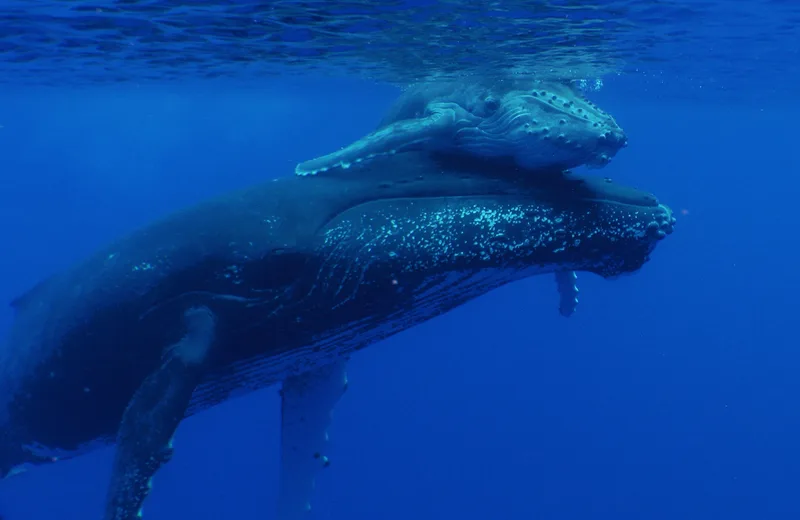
(279, 283)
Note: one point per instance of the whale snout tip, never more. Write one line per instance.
(614, 137)
(608, 144)
(663, 223)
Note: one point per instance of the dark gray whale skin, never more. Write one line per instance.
(296, 271)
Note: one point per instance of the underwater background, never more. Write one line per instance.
(671, 393)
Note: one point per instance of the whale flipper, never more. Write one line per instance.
(307, 401)
(566, 282)
(144, 439)
(432, 131)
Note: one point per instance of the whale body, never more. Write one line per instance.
(280, 283)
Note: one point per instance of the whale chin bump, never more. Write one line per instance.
(659, 224)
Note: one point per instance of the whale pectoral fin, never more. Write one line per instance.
(307, 402)
(401, 136)
(566, 282)
(144, 440)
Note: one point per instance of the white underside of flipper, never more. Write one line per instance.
(567, 284)
(307, 402)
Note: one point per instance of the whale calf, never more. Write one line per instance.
(540, 125)
(280, 283)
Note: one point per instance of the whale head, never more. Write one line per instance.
(544, 126)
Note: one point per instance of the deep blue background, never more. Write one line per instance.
(672, 393)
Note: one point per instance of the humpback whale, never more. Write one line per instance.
(280, 283)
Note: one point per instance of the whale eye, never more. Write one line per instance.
(491, 103)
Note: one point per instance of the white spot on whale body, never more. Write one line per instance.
(232, 273)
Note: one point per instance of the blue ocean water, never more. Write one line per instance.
(671, 393)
